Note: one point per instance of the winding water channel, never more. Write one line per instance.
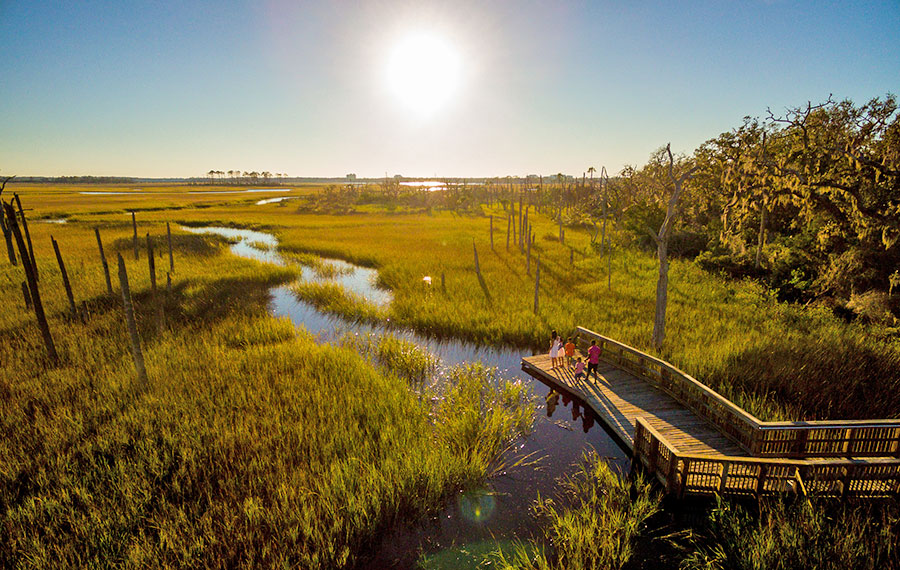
(476, 522)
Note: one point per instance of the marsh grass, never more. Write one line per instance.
(798, 535)
(594, 524)
(251, 446)
(333, 298)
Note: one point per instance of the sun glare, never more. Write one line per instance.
(424, 72)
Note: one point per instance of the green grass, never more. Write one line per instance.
(251, 446)
(255, 447)
(593, 525)
(797, 536)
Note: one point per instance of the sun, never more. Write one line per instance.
(423, 72)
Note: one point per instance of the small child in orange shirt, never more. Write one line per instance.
(570, 351)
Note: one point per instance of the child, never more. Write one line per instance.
(579, 369)
(570, 351)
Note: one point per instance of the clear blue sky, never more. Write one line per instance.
(149, 88)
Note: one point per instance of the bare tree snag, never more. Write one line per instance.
(662, 247)
(537, 284)
(136, 353)
(109, 288)
(32, 284)
(65, 278)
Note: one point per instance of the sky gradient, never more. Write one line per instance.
(174, 89)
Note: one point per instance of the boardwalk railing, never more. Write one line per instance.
(807, 439)
(682, 473)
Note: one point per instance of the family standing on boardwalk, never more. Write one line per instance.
(564, 355)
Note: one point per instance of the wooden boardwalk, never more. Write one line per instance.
(619, 397)
(695, 441)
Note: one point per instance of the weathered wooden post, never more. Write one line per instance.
(7, 236)
(151, 261)
(537, 284)
(562, 239)
(26, 295)
(492, 232)
(135, 240)
(109, 289)
(31, 277)
(521, 227)
(528, 257)
(65, 278)
(30, 251)
(443, 283)
(475, 249)
(515, 240)
(508, 224)
(571, 257)
(136, 353)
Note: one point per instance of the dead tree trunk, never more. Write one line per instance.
(537, 284)
(109, 289)
(662, 249)
(31, 277)
(135, 339)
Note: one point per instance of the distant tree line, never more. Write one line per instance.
(239, 177)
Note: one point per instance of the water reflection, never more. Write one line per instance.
(579, 411)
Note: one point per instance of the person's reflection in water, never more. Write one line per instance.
(566, 399)
(587, 421)
(552, 401)
(576, 411)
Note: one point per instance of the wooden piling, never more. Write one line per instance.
(537, 284)
(65, 278)
(128, 308)
(109, 288)
(135, 240)
(31, 277)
